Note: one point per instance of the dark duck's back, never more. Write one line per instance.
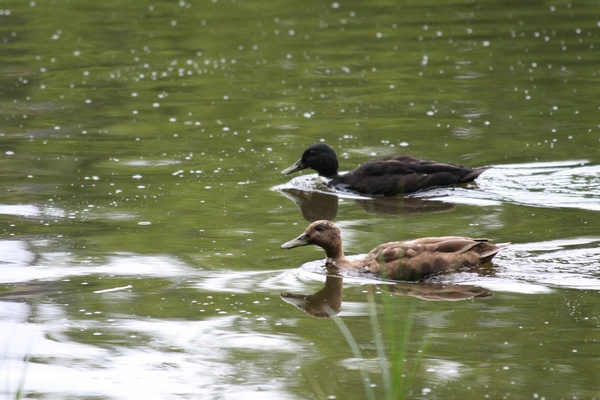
(384, 176)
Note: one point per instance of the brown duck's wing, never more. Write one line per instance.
(461, 245)
(404, 174)
(408, 261)
(417, 259)
(443, 243)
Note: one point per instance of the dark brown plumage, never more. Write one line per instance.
(408, 261)
(384, 176)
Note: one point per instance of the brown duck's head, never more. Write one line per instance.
(320, 157)
(323, 233)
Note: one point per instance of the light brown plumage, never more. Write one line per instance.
(408, 260)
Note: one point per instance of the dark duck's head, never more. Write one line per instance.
(320, 157)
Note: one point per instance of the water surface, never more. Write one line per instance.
(142, 205)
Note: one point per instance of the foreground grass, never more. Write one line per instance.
(392, 345)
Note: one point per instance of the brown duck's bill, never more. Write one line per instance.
(294, 168)
(301, 240)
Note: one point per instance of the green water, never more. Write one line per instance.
(142, 206)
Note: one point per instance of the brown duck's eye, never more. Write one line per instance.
(319, 228)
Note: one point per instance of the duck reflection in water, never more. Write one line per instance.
(316, 205)
(327, 302)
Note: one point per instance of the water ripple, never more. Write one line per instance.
(568, 184)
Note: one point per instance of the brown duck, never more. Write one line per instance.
(384, 176)
(410, 260)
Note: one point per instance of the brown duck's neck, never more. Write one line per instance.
(340, 260)
(335, 253)
(333, 250)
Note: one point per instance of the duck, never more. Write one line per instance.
(411, 260)
(388, 176)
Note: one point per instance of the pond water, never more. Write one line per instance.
(142, 206)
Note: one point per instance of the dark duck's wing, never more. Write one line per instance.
(403, 174)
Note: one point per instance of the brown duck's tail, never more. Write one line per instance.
(488, 255)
